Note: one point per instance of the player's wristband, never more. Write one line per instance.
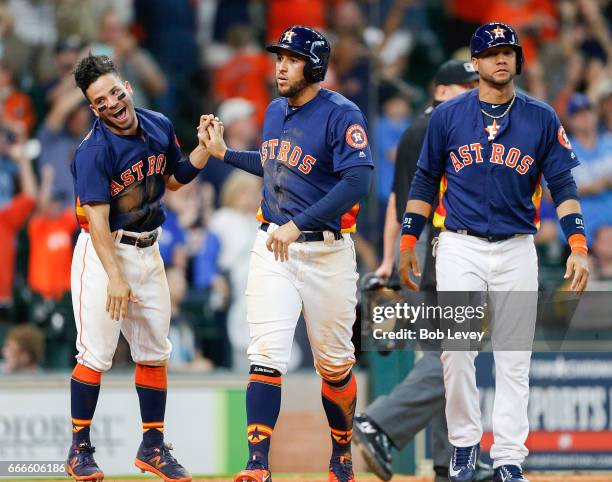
(578, 243)
(412, 227)
(573, 228)
(407, 241)
(185, 171)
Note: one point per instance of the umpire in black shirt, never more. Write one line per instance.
(393, 420)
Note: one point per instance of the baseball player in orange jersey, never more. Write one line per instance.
(486, 152)
(121, 170)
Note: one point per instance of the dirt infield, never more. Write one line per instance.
(564, 477)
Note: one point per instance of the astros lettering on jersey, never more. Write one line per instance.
(135, 173)
(487, 168)
(301, 163)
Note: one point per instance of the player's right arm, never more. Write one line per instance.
(118, 293)
(249, 161)
(92, 170)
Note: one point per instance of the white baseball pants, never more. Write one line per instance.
(320, 280)
(147, 323)
(471, 264)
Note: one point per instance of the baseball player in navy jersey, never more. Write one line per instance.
(121, 170)
(316, 165)
(485, 151)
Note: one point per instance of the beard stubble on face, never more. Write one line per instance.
(499, 82)
(293, 89)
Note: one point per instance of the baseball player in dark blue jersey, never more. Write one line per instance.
(485, 152)
(316, 165)
(121, 170)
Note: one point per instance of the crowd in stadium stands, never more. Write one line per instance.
(207, 56)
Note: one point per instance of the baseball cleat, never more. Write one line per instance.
(158, 461)
(81, 464)
(509, 473)
(375, 446)
(254, 472)
(484, 472)
(463, 463)
(341, 470)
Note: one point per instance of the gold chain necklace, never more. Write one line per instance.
(504, 113)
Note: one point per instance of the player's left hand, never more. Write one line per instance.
(278, 242)
(578, 266)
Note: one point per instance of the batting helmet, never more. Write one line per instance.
(308, 43)
(494, 34)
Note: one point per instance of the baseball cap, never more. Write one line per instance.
(455, 72)
(577, 102)
(235, 109)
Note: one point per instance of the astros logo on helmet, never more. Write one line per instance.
(494, 34)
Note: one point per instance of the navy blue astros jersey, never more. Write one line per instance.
(303, 152)
(126, 172)
(490, 175)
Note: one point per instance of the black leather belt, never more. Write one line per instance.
(489, 238)
(139, 241)
(308, 236)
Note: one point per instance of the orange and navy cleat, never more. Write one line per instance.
(341, 470)
(158, 461)
(254, 472)
(81, 464)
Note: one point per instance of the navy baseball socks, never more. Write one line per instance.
(153, 454)
(339, 400)
(263, 401)
(84, 391)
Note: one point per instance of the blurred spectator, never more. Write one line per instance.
(236, 227)
(605, 103)
(29, 48)
(67, 53)
(283, 13)
(173, 238)
(241, 132)
(8, 168)
(602, 253)
(13, 216)
(594, 175)
(247, 74)
(185, 355)
(587, 46)
(81, 17)
(50, 233)
(387, 134)
(350, 68)
(227, 14)
(136, 65)
(534, 20)
(16, 106)
(23, 349)
(64, 128)
(170, 36)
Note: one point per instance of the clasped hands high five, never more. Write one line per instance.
(210, 135)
